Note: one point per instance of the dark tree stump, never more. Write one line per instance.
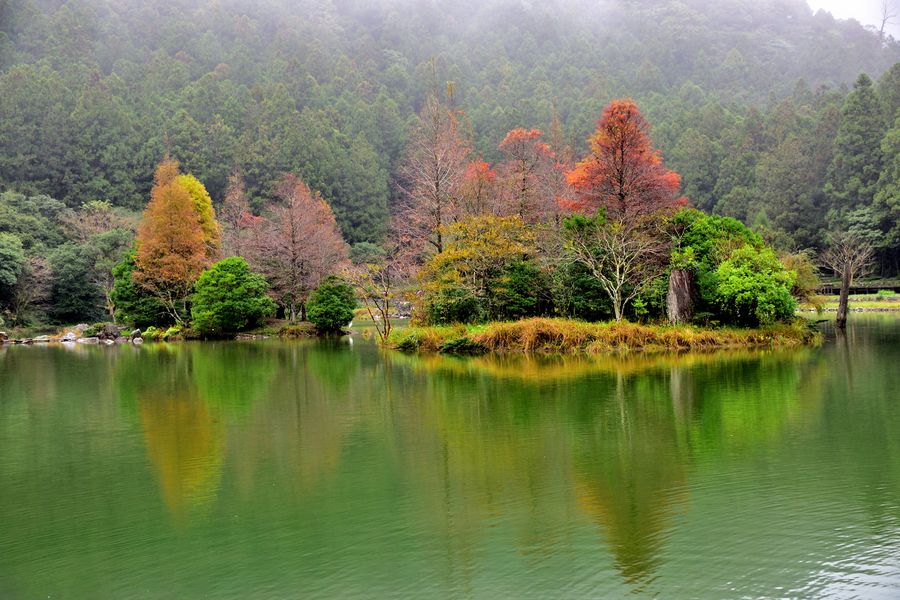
(681, 296)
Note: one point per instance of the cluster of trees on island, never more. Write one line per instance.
(536, 234)
(754, 115)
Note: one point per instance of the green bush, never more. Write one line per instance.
(134, 305)
(753, 287)
(886, 293)
(519, 292)
(228, 298)
(330, 306)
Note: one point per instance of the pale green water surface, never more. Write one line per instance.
(335, 470)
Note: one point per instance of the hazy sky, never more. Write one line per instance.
(867, 12)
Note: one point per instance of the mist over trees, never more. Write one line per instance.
(759, 106)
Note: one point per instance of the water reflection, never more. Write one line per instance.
(536, 441)
(339, 469)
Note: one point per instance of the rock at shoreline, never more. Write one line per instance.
(42, 339)
(135, 334)
(69, 337)
(138, 341)
(88, 340)
(110, 332)
(122, 340)
(3, 336)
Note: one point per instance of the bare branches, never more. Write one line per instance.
(377, 285)
(623, 256)
(848, 255)
(432, 174)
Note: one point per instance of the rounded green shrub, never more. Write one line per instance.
(228, 298)
(330, 306)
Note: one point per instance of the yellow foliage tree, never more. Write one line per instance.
(206, 215)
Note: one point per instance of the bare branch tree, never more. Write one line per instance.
(431, 175)
(377, 284)
(849, 256)
(623, 256)
(888, 15)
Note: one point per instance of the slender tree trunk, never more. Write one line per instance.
(303, 311)
(617, 306)
(841, 321)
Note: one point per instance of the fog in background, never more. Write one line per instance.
(867, 12)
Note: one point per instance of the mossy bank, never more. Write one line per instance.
(562, 336)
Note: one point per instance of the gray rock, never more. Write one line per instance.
(137, 341)
(41, 339)
(109, 342)
(110, 332)
(88, 340)
(3, 336)
(80, 329)
(135, 334)
(121, 340)
(69, 337)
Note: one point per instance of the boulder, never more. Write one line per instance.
(110, 332)
(3, 336)
(121, 340)
(109, 342)
(69, 337)
(41, 339)
(79, 329)
(137, 341)
(135, 334)
(88, 340)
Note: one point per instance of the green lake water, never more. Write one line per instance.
(334, 469)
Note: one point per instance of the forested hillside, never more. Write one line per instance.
(748, 99)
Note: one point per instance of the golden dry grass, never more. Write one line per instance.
(563, 336)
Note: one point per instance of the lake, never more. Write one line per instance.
(334, 469)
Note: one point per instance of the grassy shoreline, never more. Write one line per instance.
(563, 336)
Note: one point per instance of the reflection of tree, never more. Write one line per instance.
(618, 433)
(184, 395)
(631, 477)
(185, 445)
(302, 429)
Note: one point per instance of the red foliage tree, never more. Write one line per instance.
(477, 193)
(298, 246)
(623, 174)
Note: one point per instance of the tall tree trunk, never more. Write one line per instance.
(303, 311)
(680, 298)
(617, 306)
(841, 321)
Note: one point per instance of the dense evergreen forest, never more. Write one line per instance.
(785, 119)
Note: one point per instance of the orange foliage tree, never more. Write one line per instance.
(297, 246)
(171, 245)
(623, 174)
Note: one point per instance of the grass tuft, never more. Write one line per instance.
(563, 336)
